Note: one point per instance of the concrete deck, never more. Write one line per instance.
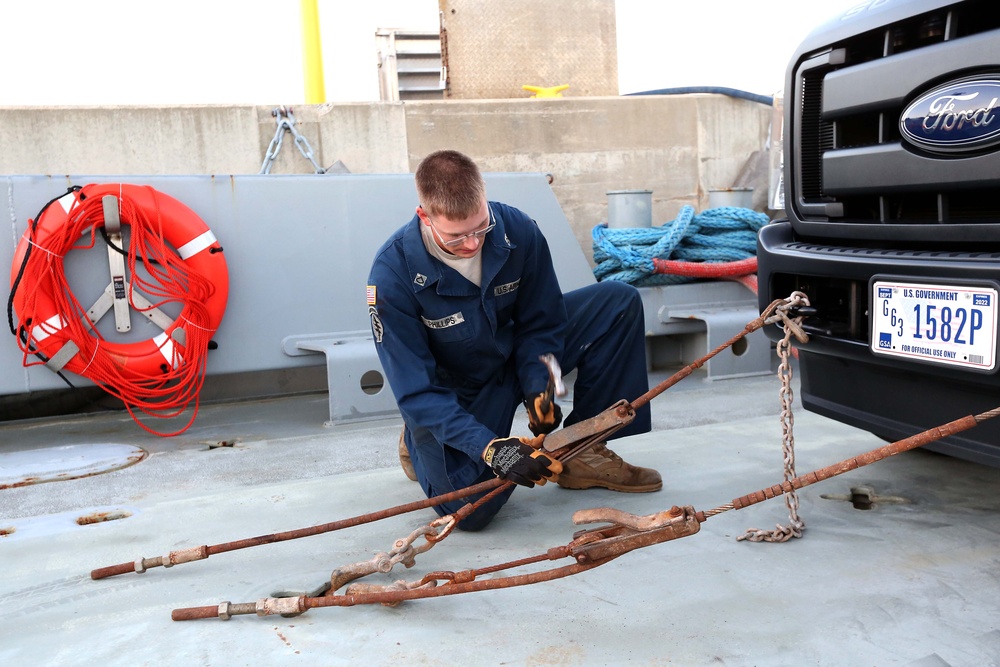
(913, 582)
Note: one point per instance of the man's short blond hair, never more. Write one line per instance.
(449, 184)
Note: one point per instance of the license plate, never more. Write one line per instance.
(941, 324)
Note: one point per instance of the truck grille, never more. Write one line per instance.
(851, 164)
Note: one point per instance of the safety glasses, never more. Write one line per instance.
(460, 240)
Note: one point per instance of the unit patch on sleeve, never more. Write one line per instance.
(444, 322)
(377, 329)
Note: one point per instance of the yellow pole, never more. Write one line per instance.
(312, 54)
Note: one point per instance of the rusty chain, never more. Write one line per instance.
(792, 326)
(403, 551)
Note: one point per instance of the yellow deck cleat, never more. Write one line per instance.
(540, 91)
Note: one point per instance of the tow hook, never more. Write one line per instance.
(802, 311)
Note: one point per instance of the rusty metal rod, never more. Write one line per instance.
(624, 407)
(695, 365)
(912, 442)
(302, 603)
(493, 487)
(202, 552)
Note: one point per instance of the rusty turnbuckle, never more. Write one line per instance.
(589, 549)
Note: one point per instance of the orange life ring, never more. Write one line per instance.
(186, 233)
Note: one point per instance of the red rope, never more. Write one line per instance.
(706, 269)
(743, 271)
(172, 282)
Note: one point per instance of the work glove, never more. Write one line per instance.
(544, 414)
(519, 460)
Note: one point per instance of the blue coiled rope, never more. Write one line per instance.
(725, 234)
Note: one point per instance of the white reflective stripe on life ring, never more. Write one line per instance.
(67, 200)
(197, 244)
(165, 344)
(51, 326)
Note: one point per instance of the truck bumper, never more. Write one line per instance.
(840, 377)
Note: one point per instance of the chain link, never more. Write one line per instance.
(403, 551)
(286, 123)
(792, 326)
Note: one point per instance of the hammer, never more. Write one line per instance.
(555, 386)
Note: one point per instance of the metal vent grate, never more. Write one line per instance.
(816, 136)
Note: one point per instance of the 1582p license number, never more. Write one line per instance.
(944, 324)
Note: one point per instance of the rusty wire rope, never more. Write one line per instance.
(140, 565)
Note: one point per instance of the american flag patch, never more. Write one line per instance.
(371, 295)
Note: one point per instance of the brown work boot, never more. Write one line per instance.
(599, 466)
(404, 457)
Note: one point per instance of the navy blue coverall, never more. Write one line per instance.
(460, 358)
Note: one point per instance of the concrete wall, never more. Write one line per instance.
(679, 147)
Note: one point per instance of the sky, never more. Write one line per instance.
(138, 52)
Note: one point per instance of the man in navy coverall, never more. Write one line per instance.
(463, 300)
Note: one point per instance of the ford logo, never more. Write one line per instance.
(959, 116)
